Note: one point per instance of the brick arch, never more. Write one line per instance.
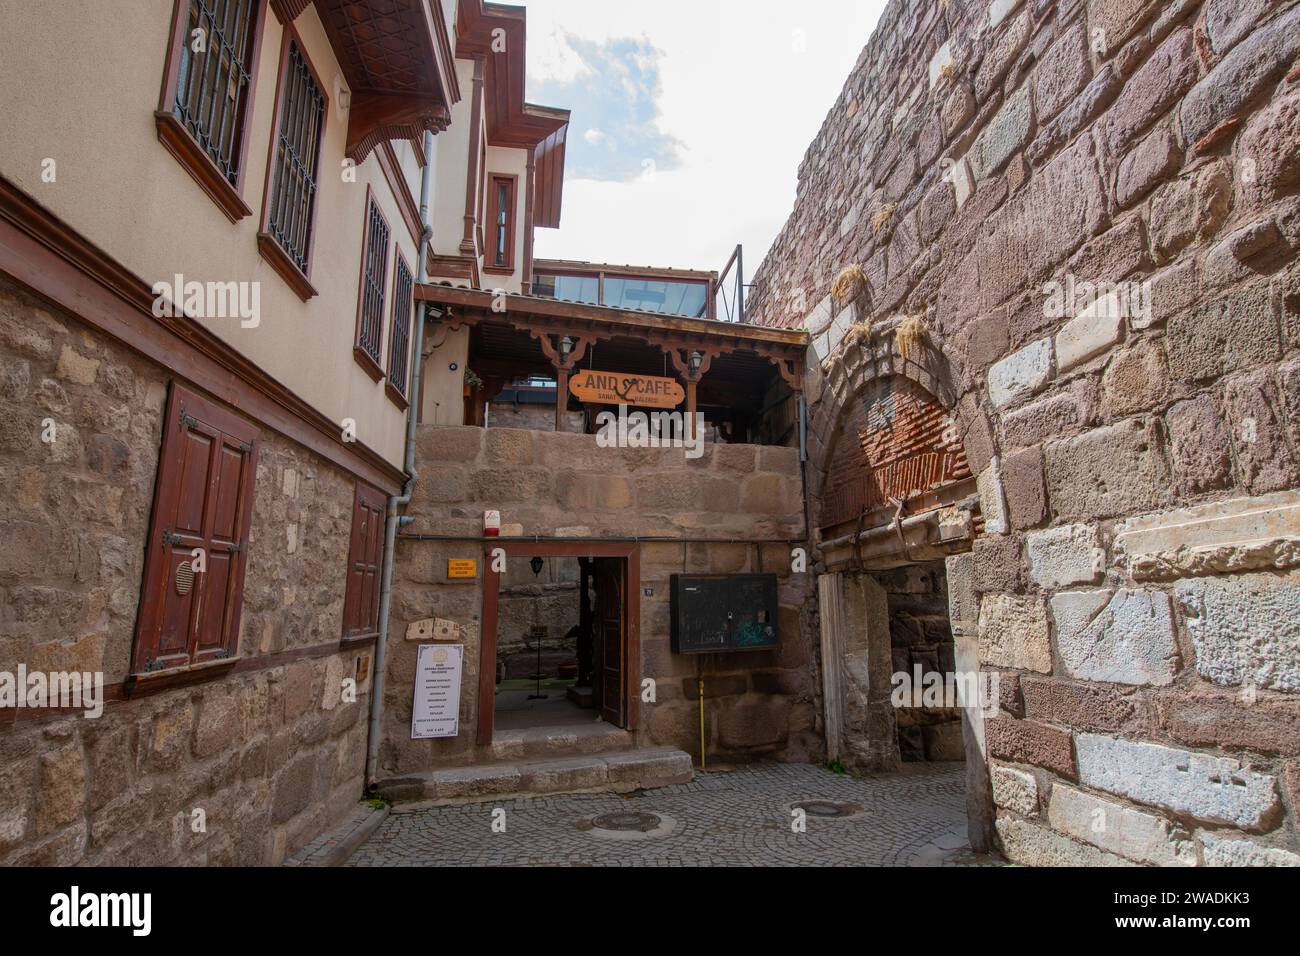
(867, 358)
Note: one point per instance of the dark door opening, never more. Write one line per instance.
(560, 637)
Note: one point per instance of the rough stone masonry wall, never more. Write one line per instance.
(271, 755)
(1137, 584)
(558, 484)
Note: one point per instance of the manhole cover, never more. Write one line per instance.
(627, 822)
(628, 825)
(827, 809)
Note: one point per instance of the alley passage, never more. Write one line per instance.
(737, 818)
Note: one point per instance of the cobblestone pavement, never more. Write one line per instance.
(740, 817)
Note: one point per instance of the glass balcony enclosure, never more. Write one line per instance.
(665, 292)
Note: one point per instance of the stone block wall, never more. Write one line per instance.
(563, 485)
(1093, 207)
(271, 753)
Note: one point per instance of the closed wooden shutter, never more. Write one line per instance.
(203, 501)
(361, 604)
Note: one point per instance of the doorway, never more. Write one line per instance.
(561, 635)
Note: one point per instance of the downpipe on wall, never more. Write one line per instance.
(396, 503)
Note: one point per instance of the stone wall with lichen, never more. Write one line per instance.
(1094, 208)
(273, 753)
(736, 509)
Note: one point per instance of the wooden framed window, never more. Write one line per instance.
(399, 343)
(293, 168)
(369, 348)
(207, 92)
(361, 601)
(500, 254)
(195, 557)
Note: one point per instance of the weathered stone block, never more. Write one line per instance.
(1020, 374)
(62, 788)
(1249, 67)
(1124, 831)
(1124, 638)
(1108, 471)
(1118, 19)
(1245, 628)
(1202, 786)
(1032, 845)
(1225, 851)
(1269, 164)
(1084, 706)
(1091, 332)
(1069, 554)
(1198, 445)
(1062, 72)
(1264, 459)
(1231, 721)
(1146, 164)
(1006, 133)
(1015, 790)
(997, 565)
(1014, 633)
(1024, 488)
(1136, 379)
(1192, 207)
(1027, 741)
(1053, 416)
(1150, 91)
(993, 504)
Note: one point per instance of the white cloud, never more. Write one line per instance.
(594, 136)
(745, 87)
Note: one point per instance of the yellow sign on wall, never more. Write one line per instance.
(462, 568)
(616, 388)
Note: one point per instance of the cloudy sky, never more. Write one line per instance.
(690, 118)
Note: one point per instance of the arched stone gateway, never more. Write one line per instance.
(891, 495)
(1110, 280)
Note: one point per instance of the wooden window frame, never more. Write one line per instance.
(494, 212)
(399, 391)
(373, 364)
(186, 408)
(298, 279)
(180, 142)
(367, 627)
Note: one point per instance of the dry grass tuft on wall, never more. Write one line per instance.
(910, 335)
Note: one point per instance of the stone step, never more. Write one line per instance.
(617, 772)
(536, 743)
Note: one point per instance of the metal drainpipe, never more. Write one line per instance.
(398, 502)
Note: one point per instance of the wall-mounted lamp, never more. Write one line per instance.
(695, 361)
(566, 346)
(536, 565)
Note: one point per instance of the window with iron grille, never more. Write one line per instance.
(214, 78)
(297, 158)
(403, 286)
(370, 320)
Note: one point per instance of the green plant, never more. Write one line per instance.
(472, 380)
(378, 803)
(834, 766)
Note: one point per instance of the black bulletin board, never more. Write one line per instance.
(717, 613)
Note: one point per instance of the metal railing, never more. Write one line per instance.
(733, 310)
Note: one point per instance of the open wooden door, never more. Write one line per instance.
(611, 627)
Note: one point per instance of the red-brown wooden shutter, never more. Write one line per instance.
(361, 604)
(203, 499)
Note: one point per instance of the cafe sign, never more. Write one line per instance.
(617, 388)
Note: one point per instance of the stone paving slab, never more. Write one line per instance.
(740, 817)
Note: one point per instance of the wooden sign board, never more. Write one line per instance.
(617, 388)
(461, 569)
